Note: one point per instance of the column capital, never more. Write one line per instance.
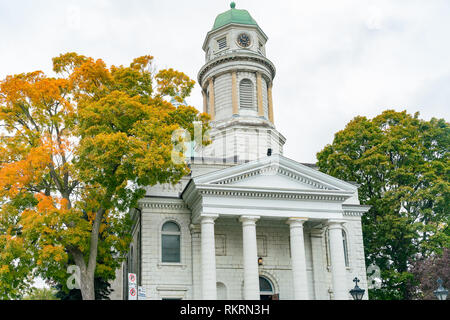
(293, 222)
(249, 219)
(335, 223)
(195, 228)
(208, 218)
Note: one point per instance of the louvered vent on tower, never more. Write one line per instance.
(222, 43)
(246, 94)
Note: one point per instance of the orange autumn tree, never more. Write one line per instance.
(76, 152)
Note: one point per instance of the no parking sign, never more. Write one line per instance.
(132, 287)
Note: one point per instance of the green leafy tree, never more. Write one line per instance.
(41, 294)
(76, 152)
(402, 164)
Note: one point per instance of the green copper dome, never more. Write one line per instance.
(234, 16)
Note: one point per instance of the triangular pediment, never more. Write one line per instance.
(272, 180)
(275, 172)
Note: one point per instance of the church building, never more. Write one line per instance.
(247, 223)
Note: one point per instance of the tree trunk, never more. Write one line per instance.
(87, 286)
(87, 272)
(86, 280)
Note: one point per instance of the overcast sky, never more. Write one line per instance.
(335, 59)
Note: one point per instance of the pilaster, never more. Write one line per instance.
(234, 93)
(211, 98)
(270, 102)
(259, 94)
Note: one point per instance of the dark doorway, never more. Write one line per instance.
(266, 290)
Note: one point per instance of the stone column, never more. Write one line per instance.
(250, 257)
(211, 98)
(259, 94)
(318, 264)
(234, 93)
(338, 271)
(209, 291)
(298, 259)
(270, 102)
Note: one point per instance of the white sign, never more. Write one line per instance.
(141, 293)
(132, 287)
(131, 278)
(132, 293)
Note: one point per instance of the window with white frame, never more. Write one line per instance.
(170, 243)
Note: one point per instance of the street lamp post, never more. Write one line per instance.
(357, 293)
(441, 293)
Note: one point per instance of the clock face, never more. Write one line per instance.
(244, 40)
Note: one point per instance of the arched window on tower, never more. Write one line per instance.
(246, 94)
(170, 242)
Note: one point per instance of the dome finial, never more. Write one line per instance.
(233, 5)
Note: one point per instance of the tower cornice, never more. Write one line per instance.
(235, 56)
(229, 26)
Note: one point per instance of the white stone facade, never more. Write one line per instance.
(184, 280)
(244, 214)
(244, 139)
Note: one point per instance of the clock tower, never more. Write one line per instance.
(236, 82)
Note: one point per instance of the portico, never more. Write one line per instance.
(250, 262)
(254, 196)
